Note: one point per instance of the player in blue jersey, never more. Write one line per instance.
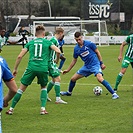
(62, 57)
(93, 64)
(7, 76)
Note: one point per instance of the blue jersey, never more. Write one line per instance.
(87, 53)
(61, 43)
(6, 75)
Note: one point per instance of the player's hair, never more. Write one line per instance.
(59, 30)
(77, 34)
(40, 29)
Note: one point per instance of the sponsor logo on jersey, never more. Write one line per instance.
(84, 53)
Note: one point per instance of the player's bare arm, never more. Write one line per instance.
(121, 51)
(18, 60)
(100, 59)
(70, 66)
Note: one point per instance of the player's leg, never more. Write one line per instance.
(50, 86)
(43, 98)
(12, 91)
(107, 85)
(26, 80)
(125, 65)
(57, 90)
(61, 62)
(10, 83)
(53, 72)
(82, 72)
(16, 98)
(43, 80)
(72, 84)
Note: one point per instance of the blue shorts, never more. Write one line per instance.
(85, 71)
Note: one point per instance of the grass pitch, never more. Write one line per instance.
(85, 112)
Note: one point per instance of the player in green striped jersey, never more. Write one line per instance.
(128, 59)
(53, 69)
(39, 54)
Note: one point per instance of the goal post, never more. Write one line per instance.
(93, 30)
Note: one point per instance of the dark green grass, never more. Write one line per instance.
(85, 112)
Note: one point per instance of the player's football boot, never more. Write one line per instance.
(60, 101)
(9, 112)
(115, 96)
(43, 112)
(65, 93)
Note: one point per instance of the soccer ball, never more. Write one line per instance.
(97, 90)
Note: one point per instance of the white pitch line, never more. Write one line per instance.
(86, 84)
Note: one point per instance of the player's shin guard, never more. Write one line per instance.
(57, 89)
(16, 98)
(108, 87)
(43, 97)
(50, 86)
(71, 86)
(118, 80)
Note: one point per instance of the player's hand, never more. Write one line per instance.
(65, 71)
(119, 58)
(103, 66)
(14, 73)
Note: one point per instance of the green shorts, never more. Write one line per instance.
(29, 75)
(53, 70)
(126, 61)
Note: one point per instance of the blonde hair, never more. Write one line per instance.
(59, 30)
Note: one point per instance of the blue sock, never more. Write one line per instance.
(71, 86)
(61, 63)
(108, 87)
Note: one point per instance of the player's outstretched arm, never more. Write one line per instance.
(18, 60)
(121, 51)
(100, 59)
(70, 66)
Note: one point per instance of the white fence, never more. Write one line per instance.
(95, 39)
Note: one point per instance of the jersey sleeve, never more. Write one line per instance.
(128, 39)
(75, 54)
(93, 46)
(27, 46)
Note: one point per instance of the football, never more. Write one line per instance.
(97, 90)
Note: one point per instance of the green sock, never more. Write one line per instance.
(50, 86)
(43, 97)
(118, 80)
(16, 98)
(57, 89)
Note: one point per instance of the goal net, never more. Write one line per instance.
(93, 30)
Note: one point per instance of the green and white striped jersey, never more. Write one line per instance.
(53, 53)
(2, 41)
(129, 51)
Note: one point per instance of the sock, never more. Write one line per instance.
(50, 86)
(16, 98)
(118, 80)
(71, 86)
(61, 63)
(42, 108)
(43, 97)
(108, 87)
(58, 98)
(57, 89)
